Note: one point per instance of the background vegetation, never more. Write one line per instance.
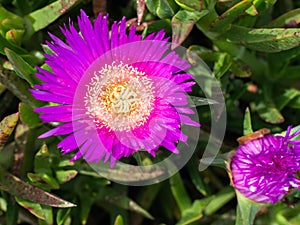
(252, 48)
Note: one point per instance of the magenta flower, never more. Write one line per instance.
(115, 92)
(264, 169)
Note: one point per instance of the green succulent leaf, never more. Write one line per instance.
(179, 192)
(21, 189)
(183, 23)
(34, 208)
(164, 9)
(28, 116)
(263, 39)
(289, 19)
(41, 18)
(21, 67)
(119, 220)
(246, 210)
(191, 5)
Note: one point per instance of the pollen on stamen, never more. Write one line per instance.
(119, 97)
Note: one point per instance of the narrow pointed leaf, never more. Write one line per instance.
(62, 215)
(192, 214)
(247, 125)
(41, 18)
(114, 197)
(34, 208)
(119, 220)
(224, 21)
(289, 19)
(22, 68)
(179, 192)
(264, 39)
(21, 189)
(183, 23)
(18, 87)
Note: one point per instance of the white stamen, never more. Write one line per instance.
(119, 97)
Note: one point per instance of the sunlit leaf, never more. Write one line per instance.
(119, 220)
(41, 18)
(247, 125)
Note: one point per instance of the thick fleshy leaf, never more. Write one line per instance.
(21, 67)
(7, 44)
(62, 215)
(43, 181)
(15, 35)
(264, 39)
(41, 18)
(247, 125)
(34, 208)
(28, 116)
(194, 213)
(191, 5)
(286, 97)
(7, 125)
(196, 177)
(64, 176)
(119, 220)
(269, 113)
(240, 68)
(179, 192)
(219, 200)
(18, 87)
(162, 8)
(114, 197)
(289, 19)
(21, 189)
(246, 210)
(183, 23)
(224, 21)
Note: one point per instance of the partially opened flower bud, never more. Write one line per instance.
(264, 169)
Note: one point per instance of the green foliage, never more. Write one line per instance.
(252, 48)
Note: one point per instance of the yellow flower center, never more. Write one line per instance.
(119, 97)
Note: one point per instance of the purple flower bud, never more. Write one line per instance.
(264, 169)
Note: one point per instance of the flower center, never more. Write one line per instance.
(119, 97)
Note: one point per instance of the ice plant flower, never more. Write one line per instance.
(115, 92)
(265, 169)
